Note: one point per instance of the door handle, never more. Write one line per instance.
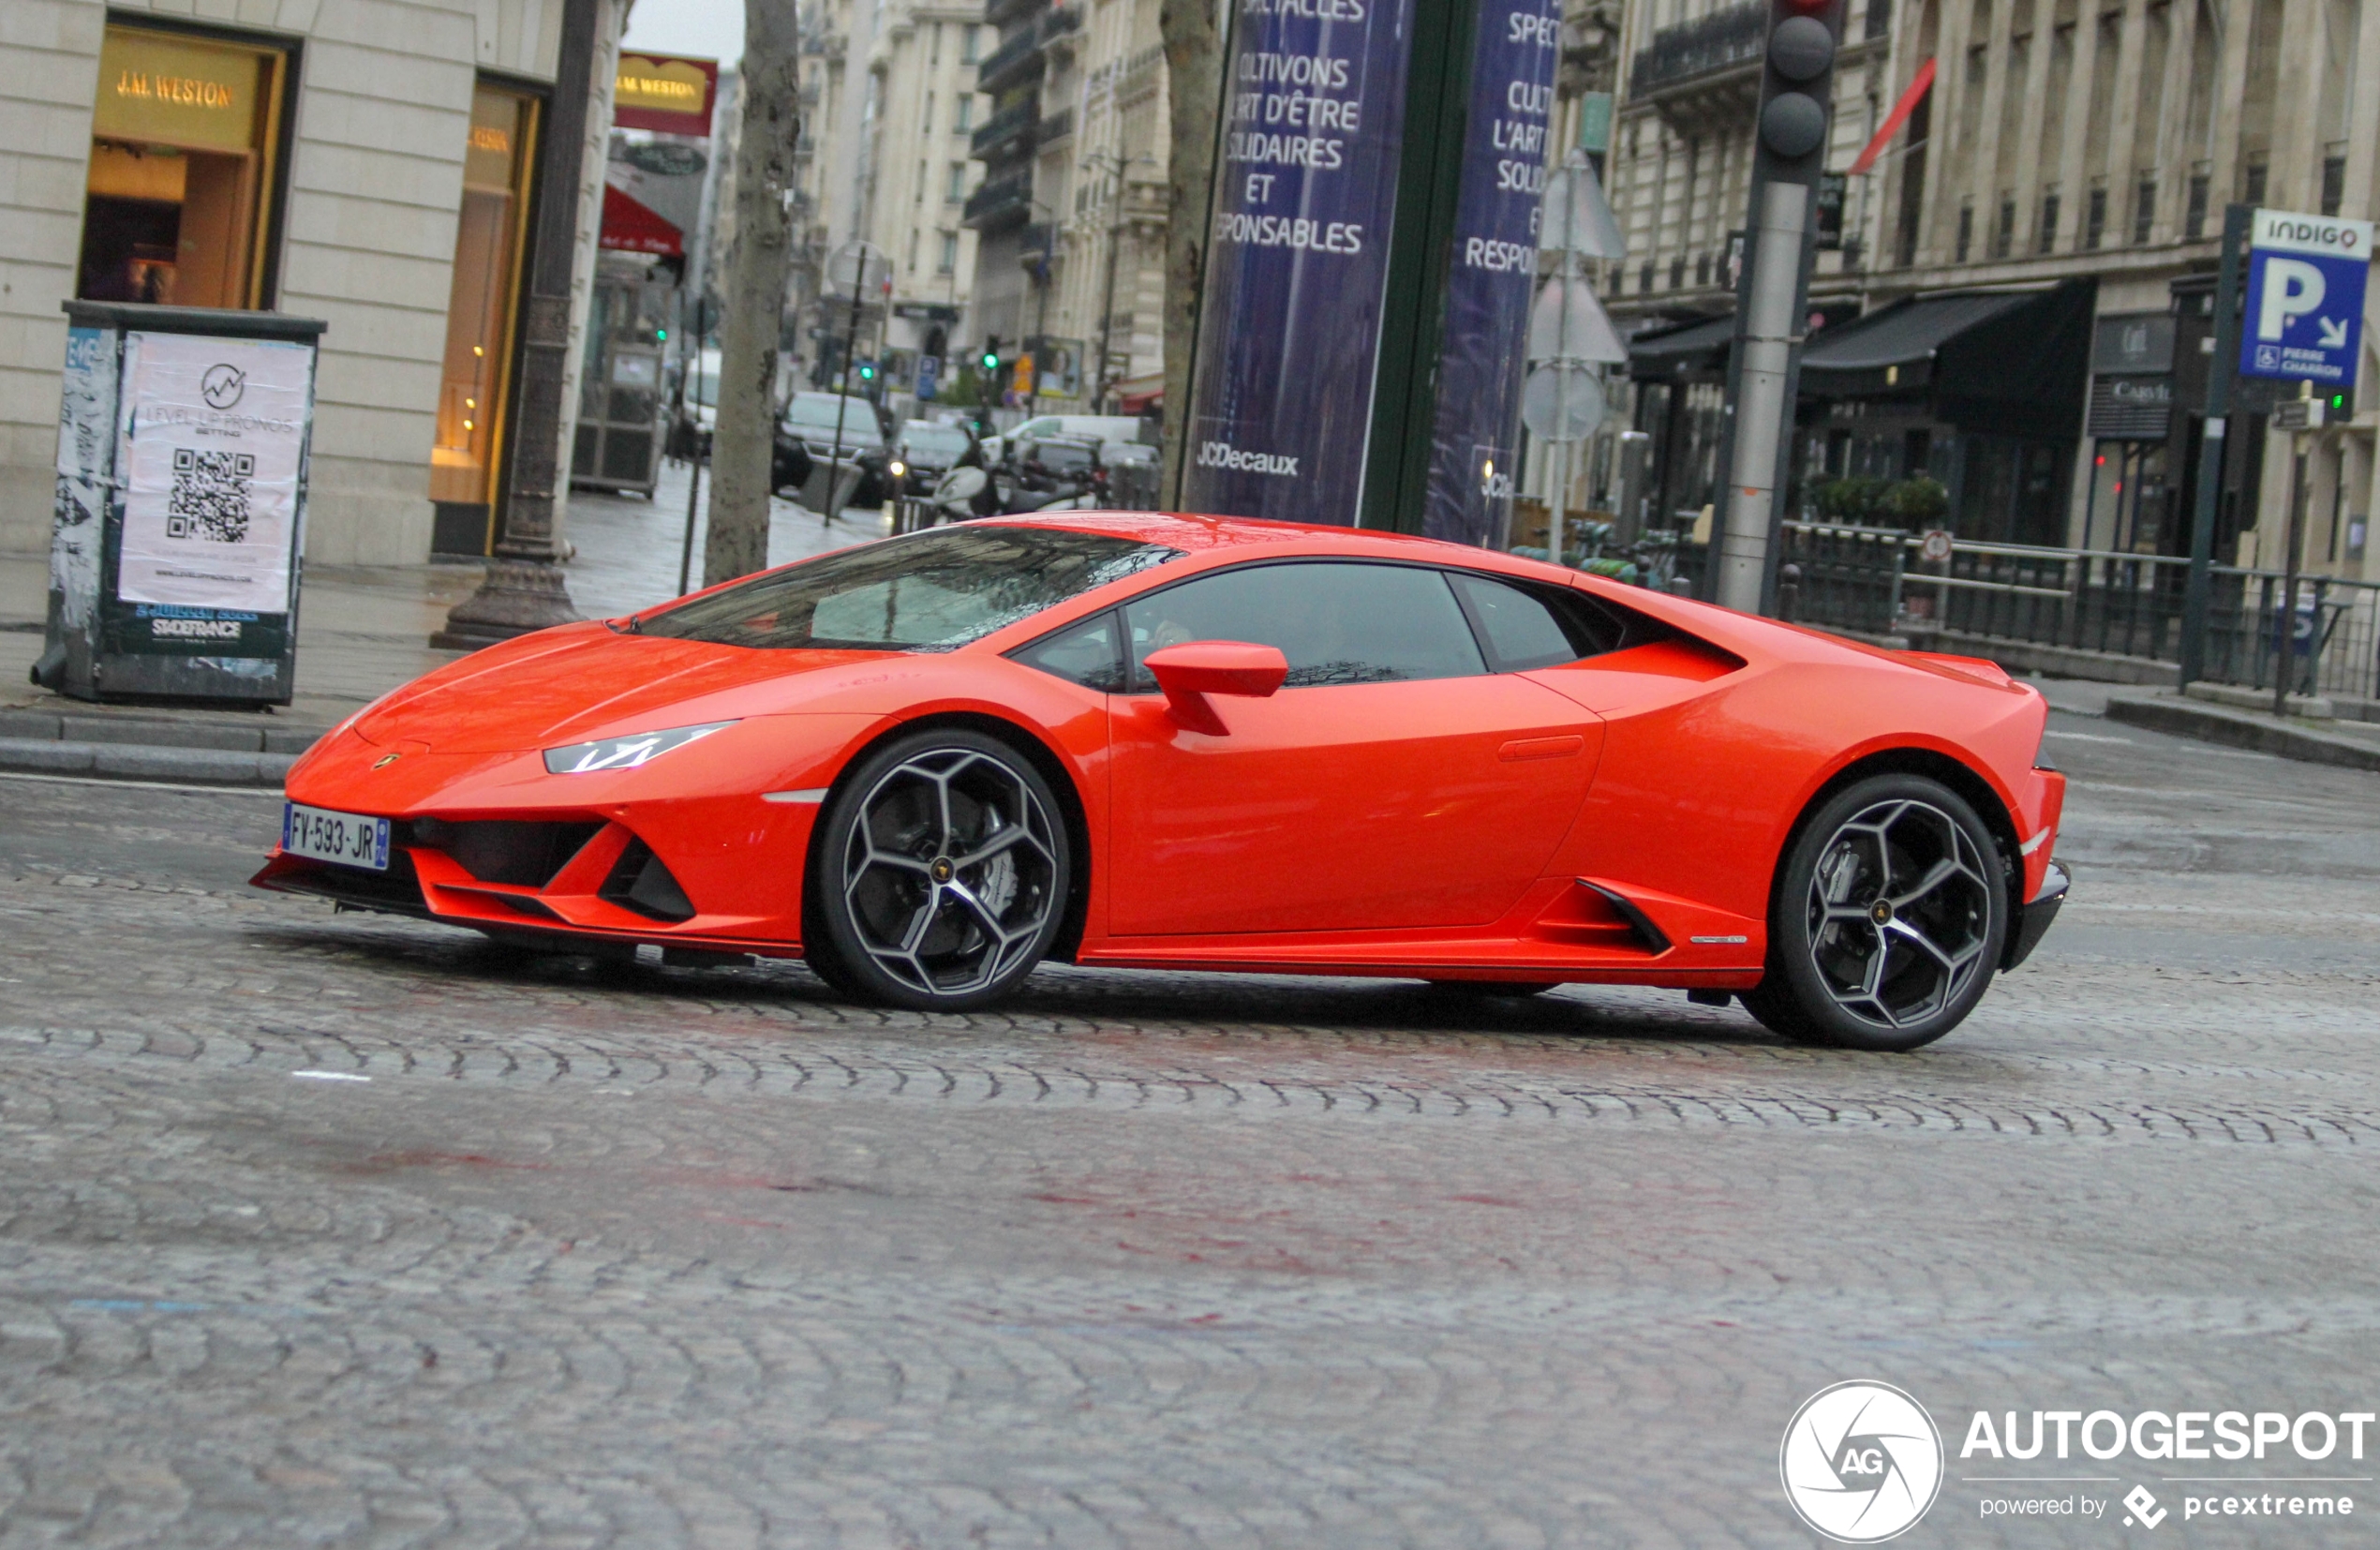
(1541, 748)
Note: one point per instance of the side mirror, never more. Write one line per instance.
(1190, 672)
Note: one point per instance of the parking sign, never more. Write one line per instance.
(2304, 320)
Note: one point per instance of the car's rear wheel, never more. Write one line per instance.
(1890, 912)
(941, 873)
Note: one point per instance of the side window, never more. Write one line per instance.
(1336, 623)
(1524, 627)
(1086, 653)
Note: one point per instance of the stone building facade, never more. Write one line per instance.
(360, 161)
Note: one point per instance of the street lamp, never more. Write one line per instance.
(1115, 230)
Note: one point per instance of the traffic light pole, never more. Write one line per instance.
(1764, 366)
(2236, 219)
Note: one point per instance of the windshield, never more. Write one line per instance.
(929, 592)
(816, 412)
(944, 442)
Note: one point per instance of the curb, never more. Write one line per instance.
(2244, 729)
(144, 762)
(235, 737)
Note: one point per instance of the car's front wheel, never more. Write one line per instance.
(1890, 912)
(940, 875)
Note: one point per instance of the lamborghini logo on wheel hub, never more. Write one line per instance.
(1880, 911)
(941, 871)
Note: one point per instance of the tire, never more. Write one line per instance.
(1887, 919)
(940, 876)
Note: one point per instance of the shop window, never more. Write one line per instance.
(479, 318)
(183, 143)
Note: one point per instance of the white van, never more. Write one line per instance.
(1098, 428)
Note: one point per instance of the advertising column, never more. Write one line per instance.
(1491, 272)
(1298, 259)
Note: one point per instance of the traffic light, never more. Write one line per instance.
(1796, 85)
(2342, 407)
(867, 371)
(990, 361)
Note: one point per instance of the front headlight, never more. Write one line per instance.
(898, 468)
(632, 751)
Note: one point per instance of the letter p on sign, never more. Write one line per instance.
(2293, 288)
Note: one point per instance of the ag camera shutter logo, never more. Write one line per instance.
(1861, 1462)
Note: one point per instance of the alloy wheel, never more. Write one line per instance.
(950, 874)
(1900, 913)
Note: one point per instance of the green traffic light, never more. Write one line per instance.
(661, 335)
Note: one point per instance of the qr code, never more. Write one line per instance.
(210, 499)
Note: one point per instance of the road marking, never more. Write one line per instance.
(328, 1076)
(2088, 738)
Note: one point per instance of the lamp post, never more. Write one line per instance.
(524, 589)
(1115, 164)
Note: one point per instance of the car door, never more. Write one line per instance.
(1395, 780)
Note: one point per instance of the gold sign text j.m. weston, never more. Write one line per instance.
(188, 91)
(656, 86)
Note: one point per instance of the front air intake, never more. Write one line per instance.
(639, 882)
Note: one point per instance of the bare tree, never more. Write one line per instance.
(752, 298)
(1194, 89)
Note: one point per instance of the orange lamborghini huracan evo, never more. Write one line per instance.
(927, 763)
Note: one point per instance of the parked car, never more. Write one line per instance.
(1098, 428)
(927, 450)
(807, 433)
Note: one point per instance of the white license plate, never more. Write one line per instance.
(350, 839)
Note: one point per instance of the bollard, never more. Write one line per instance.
(1789, 592)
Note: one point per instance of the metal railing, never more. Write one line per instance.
(1724, 40)
(998, 199)
(1001, 128)
(1874, 581)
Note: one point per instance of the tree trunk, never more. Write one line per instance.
(1193, 89)
(752, 294)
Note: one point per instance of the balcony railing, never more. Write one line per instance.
(1020, 54)
(1056, 127)
(1010, 125)
(1001, 202)
(1725, 40)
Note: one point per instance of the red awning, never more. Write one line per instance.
(630, 227)
(1140, 403)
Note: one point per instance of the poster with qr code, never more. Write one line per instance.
(213, 445)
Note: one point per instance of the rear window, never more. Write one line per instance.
(818, 412)
(930, 593)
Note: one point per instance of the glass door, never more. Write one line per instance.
(466, 455)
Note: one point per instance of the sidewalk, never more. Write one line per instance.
(361, 631)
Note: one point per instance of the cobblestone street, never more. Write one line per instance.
(326, 1229)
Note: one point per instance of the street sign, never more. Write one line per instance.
(1567, 323)
(928, 374)
(1562, 402)
(1935, 546)
(2304, 317)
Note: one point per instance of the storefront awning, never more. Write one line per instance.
(2012, 361)
(1694, 350)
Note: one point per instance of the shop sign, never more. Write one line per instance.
(2131, 409)
(2133, 343)
(1491, 272)
(173, 91)
(212, 433)
(2304, 319)
(668, 94)
(1305, 192)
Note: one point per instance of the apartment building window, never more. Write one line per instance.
(1966, 228)
(177, 202)
(2045, 240)
(949, 259)
(2003, 236)
(2193, 216)
(1677, 272)
(1644, 278)
(929, 113)
(966, 115)
(933, 46)
(2095, 220)
(956, 189)
(1879, 17)
(2252, 178)
(918, 189)
(1703, 270)
(914, 235)
(966, 53)
(2334, 176)
(2144, 210)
